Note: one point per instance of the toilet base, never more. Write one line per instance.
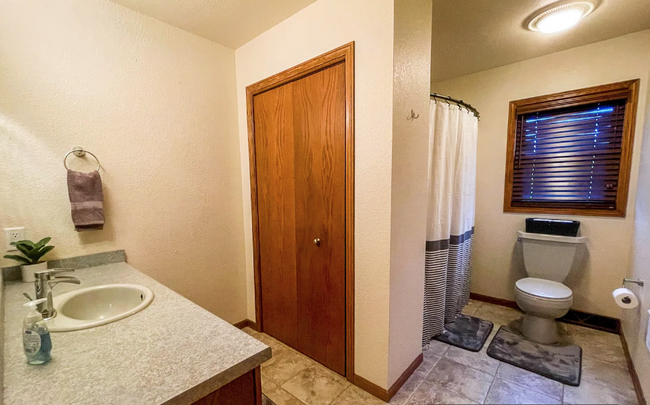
(541, 330)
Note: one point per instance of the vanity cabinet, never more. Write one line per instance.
(245, 390)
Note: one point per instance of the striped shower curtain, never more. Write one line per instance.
(450, 216)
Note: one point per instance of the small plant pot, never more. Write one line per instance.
(29, 269)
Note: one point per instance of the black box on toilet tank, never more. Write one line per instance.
(561, 227)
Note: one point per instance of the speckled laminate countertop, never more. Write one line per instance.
(172, 352)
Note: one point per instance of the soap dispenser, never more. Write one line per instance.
(36, 337)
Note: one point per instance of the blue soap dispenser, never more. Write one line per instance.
(36, 337)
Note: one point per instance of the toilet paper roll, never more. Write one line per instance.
(625, 298)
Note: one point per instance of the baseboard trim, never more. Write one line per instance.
(371, 388)
(493, 300)
(574, 317)
(630, 366)
(246, 323)
(405, 376)
(387, 394)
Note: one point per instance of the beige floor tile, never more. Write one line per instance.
(429, 359)
(316, 385)
(530, 380)
(478, 360)
(613, 355)
(593, 393)
(276, 352)
(435, 348)
(602, 373)
(268, 340)
(357, 396)
(602, 382)
(428, 363)
(498, 314)
(493, 332)
(471, 307)
(507, 392)
(277, 394)
(267, 383)
(581, 335)
(285, 364)
(414, 381)
(495, 329)
(454, 377)
(431, 393)
(404, 394)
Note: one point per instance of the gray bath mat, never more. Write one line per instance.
(466, 332)
(266, 400)
(560, 362)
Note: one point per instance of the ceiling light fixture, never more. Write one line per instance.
(561, 17)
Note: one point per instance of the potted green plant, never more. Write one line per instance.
(33, 252)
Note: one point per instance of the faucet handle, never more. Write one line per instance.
(63, 279)
(54, 271)
(47, 274)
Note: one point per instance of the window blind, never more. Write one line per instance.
(569, 157)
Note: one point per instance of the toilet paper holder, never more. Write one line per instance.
(640, 283)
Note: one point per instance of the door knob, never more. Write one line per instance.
(317, 241)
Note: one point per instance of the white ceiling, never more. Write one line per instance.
(229, 22)
(474, 35)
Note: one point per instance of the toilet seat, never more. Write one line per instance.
(541, 289)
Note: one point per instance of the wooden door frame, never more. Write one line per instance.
(345, 55)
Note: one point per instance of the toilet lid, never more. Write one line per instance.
(544, 288)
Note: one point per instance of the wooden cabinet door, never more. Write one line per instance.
(300, 163)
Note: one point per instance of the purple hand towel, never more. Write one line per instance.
(87, 200)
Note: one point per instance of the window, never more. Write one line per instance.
(570, 153)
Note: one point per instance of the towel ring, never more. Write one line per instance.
(79, 152)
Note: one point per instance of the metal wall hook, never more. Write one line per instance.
(413, 116)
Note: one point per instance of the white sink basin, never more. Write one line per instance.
(94, 306)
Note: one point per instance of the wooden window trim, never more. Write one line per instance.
(628, 90)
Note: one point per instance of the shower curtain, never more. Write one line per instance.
(450, 215)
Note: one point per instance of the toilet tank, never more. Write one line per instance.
(549, 257)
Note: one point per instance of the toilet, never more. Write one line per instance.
(548, 259)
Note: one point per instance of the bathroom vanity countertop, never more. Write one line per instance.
(172, 352)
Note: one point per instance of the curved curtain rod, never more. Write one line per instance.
(458, 102)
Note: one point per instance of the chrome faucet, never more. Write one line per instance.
(44, 283)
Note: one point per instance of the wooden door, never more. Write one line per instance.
(300, 149)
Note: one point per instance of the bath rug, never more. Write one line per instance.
(266, 400)
(466, 332)
(559, 362)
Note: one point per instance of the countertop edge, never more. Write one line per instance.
(191, 394)
(218, 381)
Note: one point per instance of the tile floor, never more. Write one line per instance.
(450, 375)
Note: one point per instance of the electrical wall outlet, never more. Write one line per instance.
(13, 235)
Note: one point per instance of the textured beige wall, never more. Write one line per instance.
(320, 27)
(2, 338)
(497, 261)
(411, 79)
(635, 321)
(157, 105)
